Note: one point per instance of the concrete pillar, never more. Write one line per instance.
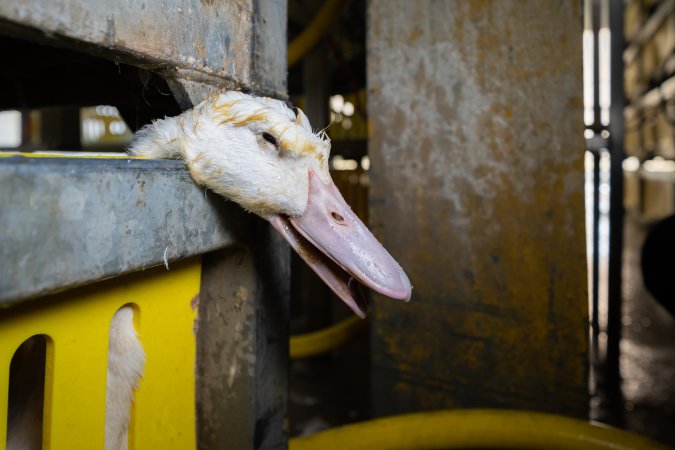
(477, 187)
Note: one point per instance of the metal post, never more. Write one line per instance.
(594, 20)
(595, 290)
(616, 131)
(476, 158)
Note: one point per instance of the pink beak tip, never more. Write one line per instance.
(339, 248)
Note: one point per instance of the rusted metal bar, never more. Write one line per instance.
(612, 376)
(242, 344)
(221, 44)
(477, 185)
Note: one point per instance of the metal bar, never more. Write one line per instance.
(68, 222)
(269, 46)
(595, 20)
(217, 43)
(612, 376)
(595, 265)
(494, 245)
(242, 344)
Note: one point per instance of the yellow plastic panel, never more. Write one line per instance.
(77, 323)
(165, 401)
(6, 352)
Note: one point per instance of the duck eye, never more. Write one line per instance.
(269, 138)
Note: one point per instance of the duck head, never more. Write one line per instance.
(264, 156)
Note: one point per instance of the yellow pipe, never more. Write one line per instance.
(316, 29)
(317, 342)
(474, 429)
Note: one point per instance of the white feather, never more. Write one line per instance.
(223, 142)
(220, 141)
(126, 360)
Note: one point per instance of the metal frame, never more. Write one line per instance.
(499, 309)
(616, 136)
(199, 46)
(69, 222)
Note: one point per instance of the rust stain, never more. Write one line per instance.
(415, 33)
(200, 50)
(140, 200)
(485, 170)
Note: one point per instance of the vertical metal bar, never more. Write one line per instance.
(242, 343)
(616, 130)
(595, 21)
(595, 321)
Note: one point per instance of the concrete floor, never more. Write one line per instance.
(647, 349)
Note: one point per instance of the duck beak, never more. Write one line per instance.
(334, 242)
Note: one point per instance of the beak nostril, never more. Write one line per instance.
(337, 217)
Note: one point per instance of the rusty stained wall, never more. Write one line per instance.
(477, 187)
(207, 41)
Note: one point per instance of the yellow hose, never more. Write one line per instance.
(474, 429)
(317, 342)
(316, 29)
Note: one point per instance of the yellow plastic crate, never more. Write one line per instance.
(76, 324)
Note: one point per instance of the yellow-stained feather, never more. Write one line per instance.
(292, 137)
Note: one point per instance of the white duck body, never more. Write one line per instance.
(261, 154)
(126, 360)
(222, 141)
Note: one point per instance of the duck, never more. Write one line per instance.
(265, 156)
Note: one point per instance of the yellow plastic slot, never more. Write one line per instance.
(77, 325)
